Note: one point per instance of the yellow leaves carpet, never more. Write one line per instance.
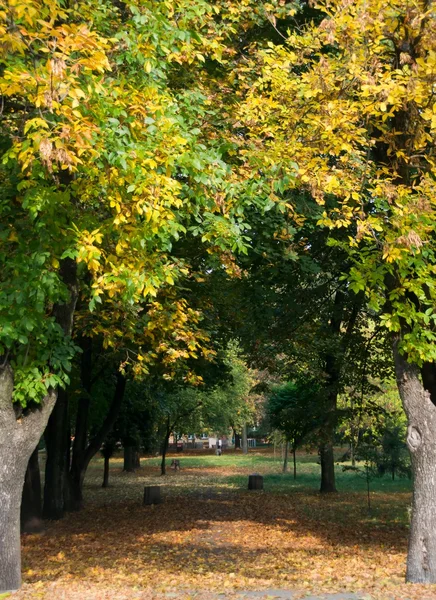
(218, 540)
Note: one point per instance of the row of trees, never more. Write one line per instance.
(175, 175)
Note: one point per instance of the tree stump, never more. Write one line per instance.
(255, 482)
(152, 495)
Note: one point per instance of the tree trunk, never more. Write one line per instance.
(77, 469)
(56, 466)
(244, 439)
(129, 459)
(237, 439)
(31, 508)
(163, 468)
(106, 472)
(295, 461)
(285, 461)
(327, 459)
(18, 439)
(421, 437)
(11, 484)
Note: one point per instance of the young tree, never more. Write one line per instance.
(295, 409)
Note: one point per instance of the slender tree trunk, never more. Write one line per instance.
(421, 441)
(31, 506)
(285, 461)
(244, 439)
(294, 450)
(163, 468)
(105, 483)
(56, 466)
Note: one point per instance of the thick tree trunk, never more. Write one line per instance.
(237, 440)
(285, 461)
(18, 439)
(77, 469)
(56, 441)
(244, 439)
(327, 459)
(31, 506)
(421, 441)
(129, 459)
(75, 488)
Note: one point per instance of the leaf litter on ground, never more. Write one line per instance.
(211, 536)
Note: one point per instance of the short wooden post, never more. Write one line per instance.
(152, 495)
(255, 482)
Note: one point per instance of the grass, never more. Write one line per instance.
(212, 535)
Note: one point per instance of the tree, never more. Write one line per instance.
(295, 410)
(345, 110)
(103, 168)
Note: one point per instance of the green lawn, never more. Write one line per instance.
(204, 473)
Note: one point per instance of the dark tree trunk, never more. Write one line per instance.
(78, 469)
(418, 403)
(244, 439)
(136, 459)
(31, 506)
(105, 483)
(285, 461)
(129, 459)
(328, 483)
(56, 467)
(295, 461)
(237, 440)
(82, 453)
(163, 468)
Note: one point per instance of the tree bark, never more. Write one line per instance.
(31, 506)
(327, 459)
(237, 440)
(244, 439)
(421, 436)
(129, 459)
(56, 468)
(18, 440)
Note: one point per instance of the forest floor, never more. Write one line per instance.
(213, 539)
